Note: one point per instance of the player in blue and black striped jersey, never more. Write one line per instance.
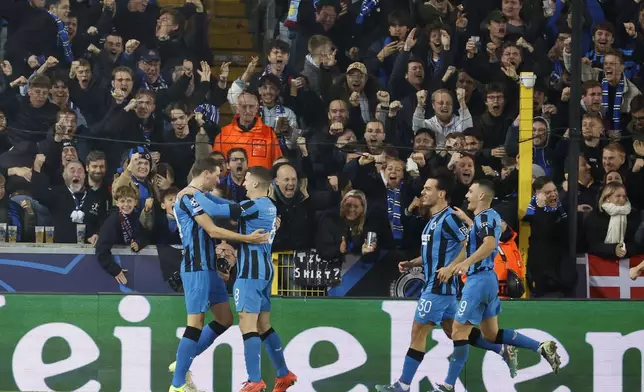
(203, 287)
(480, 303)
(442, 243)
(255, 274)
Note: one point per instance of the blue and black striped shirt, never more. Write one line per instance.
(442, 241)
(486, 224)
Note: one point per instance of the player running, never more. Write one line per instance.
(204, 289)
(443, 240)
(480, 303)
(255, 274)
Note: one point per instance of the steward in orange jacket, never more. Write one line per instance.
(260, 142)
(508, 257)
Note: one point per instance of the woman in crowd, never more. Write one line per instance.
(346, 232)
(610, 229)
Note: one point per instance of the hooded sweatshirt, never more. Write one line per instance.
(541, 155)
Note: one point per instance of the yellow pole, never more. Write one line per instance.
(526, 114)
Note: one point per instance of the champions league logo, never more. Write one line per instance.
(409, 284)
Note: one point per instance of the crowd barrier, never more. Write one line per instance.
(61, 268)
(115, 342)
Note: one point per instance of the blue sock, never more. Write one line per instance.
(186, 352)
(273, 346)
(412, 361)
(461, 351)
(252, 353)
(513, 338)
(208, 335)
(477, 340)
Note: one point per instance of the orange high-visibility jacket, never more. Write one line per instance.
(260, 143)
(514, 262)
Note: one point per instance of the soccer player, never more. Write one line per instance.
(443, 240)
(204, 288)
(480, 303)
(255, 273)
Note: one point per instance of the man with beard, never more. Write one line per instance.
(592, 128)
(96, 170)
(294, 209)
(445, 121)
(69, 204)
(238, 166)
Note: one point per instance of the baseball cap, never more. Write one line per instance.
(359, 66)
(150, 55)
(496, 16)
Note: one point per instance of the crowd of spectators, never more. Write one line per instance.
(353, 106)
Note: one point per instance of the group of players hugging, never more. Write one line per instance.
(453, 243)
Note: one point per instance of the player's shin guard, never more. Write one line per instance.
(252, 353)
(410, 366)
(273, 346)
(513, 338)
(208, 335)
(186, 352)
(461, 351)
(476, 340)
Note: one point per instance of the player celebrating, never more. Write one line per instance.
(480, 303)
(203, 287)
(443, 240)
(252, 288)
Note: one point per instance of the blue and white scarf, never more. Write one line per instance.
(159, 85)
(63, 38)
(617, 104)
(394, 210)
(365, 10)
(210, 112)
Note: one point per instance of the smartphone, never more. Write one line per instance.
(477, 41)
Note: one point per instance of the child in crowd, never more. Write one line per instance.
(120, 228)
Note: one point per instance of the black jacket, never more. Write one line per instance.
(296, 230)
(332, 227)
(61, 204)
(112, 234)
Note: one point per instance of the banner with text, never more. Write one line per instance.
(94, 343)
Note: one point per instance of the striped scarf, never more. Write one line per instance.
(128, 229)
(63, 38)
(365, 10)
(394, 210)
(210, 112)
(159, 85)
(617, 105)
